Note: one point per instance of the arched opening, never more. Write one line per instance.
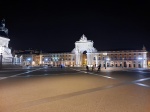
(84, 58)
(84, 52)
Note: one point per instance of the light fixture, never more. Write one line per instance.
(29, 59)
(140, 58)
(107, 59)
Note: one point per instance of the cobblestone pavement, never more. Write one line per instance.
(43, 89)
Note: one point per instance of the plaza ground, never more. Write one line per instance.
(44, 89)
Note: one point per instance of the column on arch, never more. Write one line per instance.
(88, 59)
(77, 59)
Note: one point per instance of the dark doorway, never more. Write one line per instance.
(139, 65)
(84, 58)
(108, 64)
(116, 65)
(100, 65)
(129, 65)
(104, 65)
(120, 65)
(84, 52)
(125, 64)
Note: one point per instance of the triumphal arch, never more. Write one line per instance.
(83, 49)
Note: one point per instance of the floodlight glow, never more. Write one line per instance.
(29, 59)
(140, 58)
(46, 59)
(104, 53)
(33, 63)
(107, 59)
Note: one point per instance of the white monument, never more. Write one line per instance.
(81, 46)
(4, 41)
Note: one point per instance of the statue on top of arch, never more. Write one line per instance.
(83, 38)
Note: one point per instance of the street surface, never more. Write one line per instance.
(43, 89)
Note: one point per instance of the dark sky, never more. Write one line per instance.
(55, 26)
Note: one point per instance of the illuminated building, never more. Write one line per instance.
(85, 54)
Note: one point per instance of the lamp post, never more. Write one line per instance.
(122, 62)
(46, 60)
(62, 62)
(105, 63)
(1, 56)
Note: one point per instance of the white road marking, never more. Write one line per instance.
(9, 71)
(139, 80)
(135, 82)
(95, 74)
(2, 78)
(136, 71)
(144, 85)
(144, 72)
(20, 74)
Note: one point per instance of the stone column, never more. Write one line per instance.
(21, 60)
(88, 61)
(41, 61)
(78, 59)
(15, 59)
(144, 60)
(96, 60)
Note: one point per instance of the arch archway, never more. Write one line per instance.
(84, 58)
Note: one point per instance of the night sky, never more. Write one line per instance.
(55, 26)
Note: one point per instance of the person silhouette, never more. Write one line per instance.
(92, 68)
(99, 67)
(87, 68)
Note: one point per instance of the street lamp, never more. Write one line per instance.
(107, 59)
(140, 58)
(29, 59)
(62, 62)
(1, 56)
(122, 62)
